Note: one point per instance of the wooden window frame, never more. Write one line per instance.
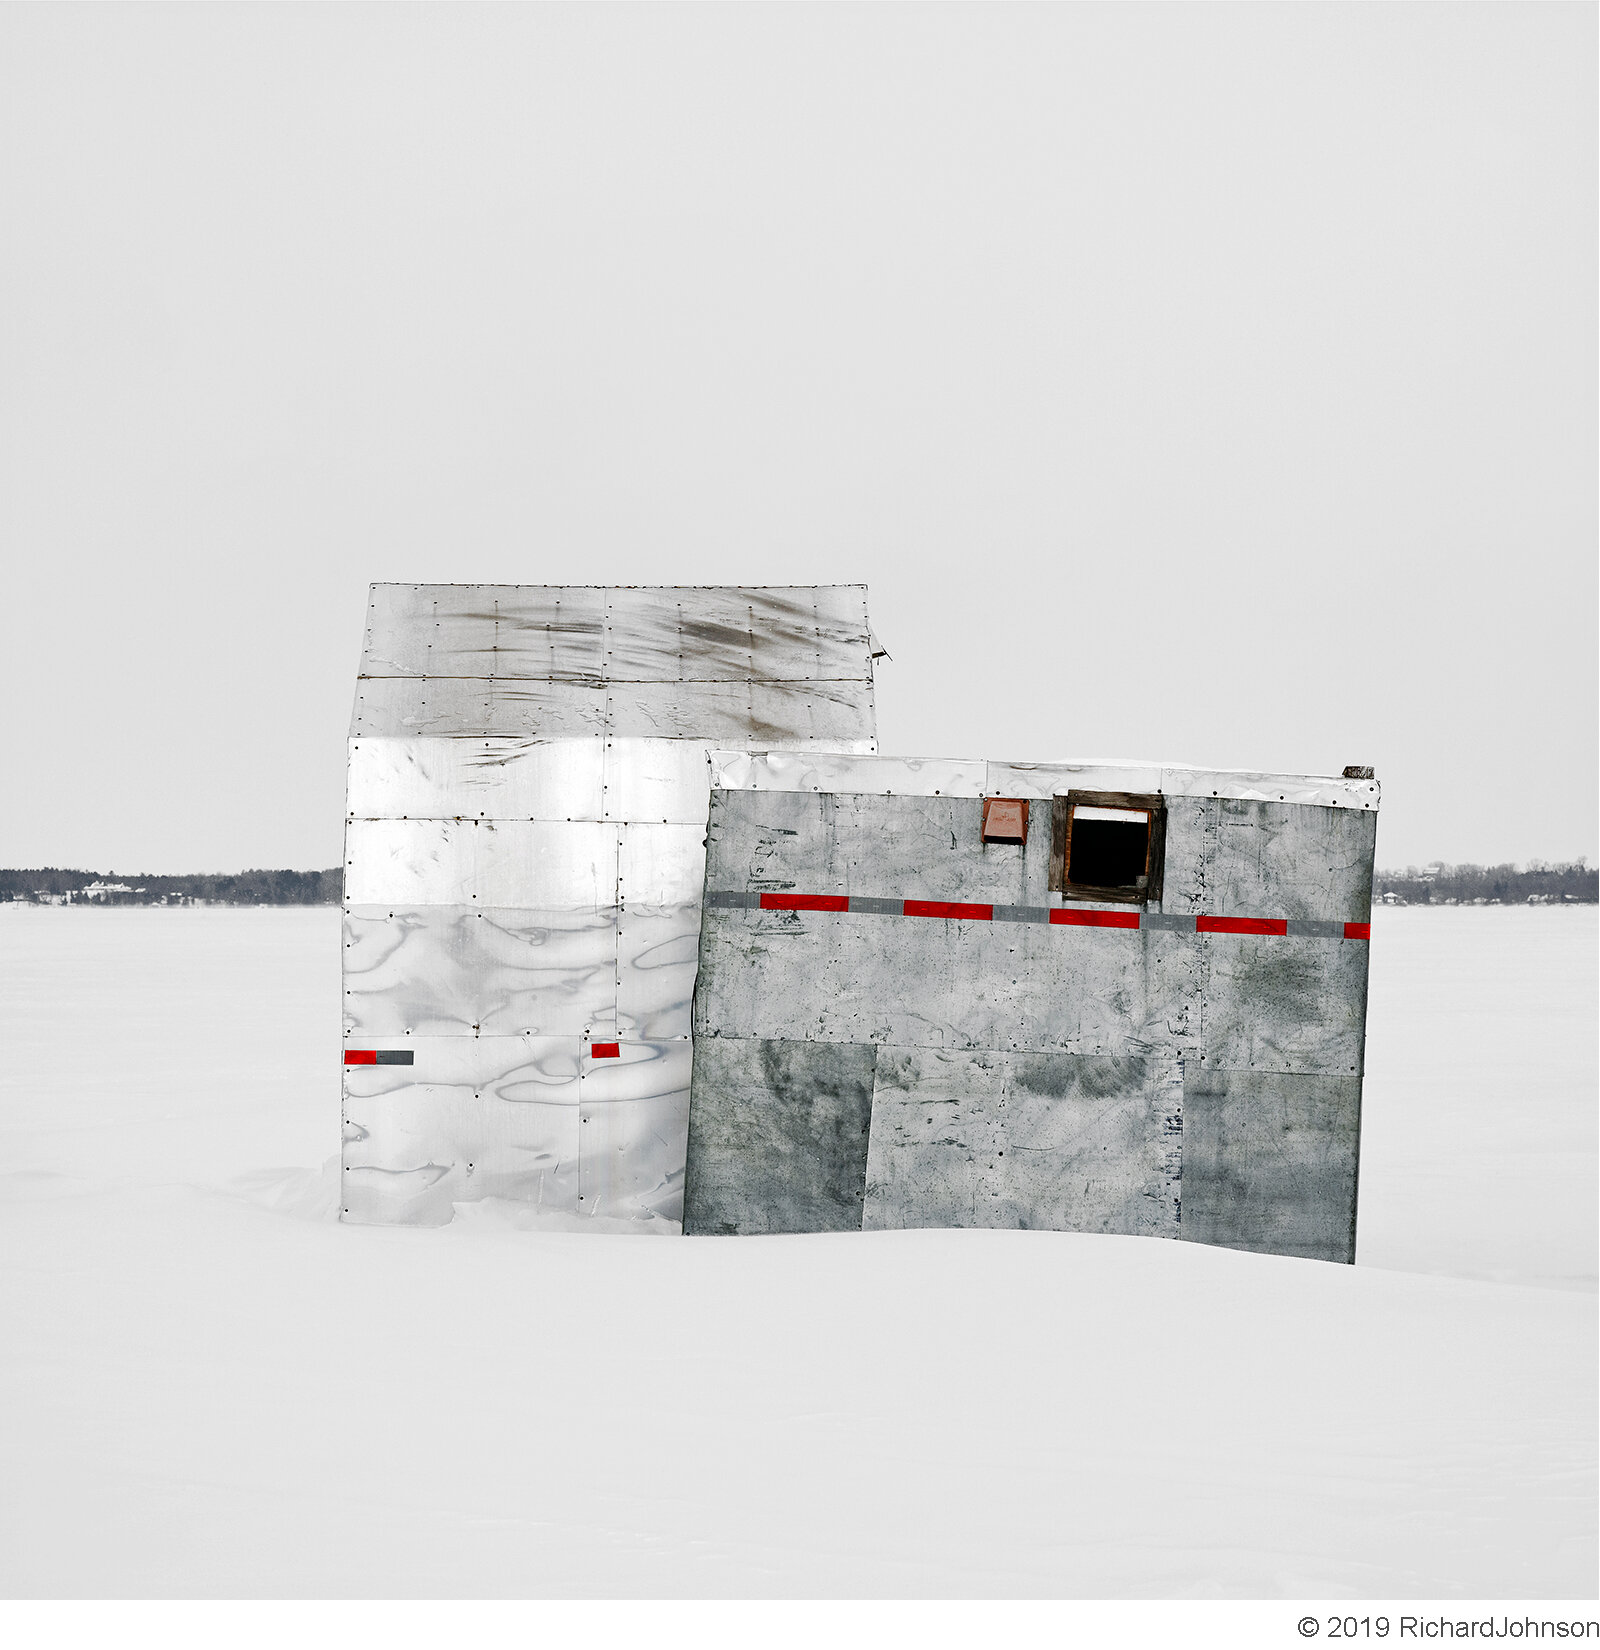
(1148, 887)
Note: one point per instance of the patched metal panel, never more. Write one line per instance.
(634, 1118)
(439, 969)
(1285, 1004)
(911, 847)
(1269, 1162)
(860, 978)
(1292, 861)
(779, 1135)
(1056, 1142)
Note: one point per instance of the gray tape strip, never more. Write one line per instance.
(395, 1057)
(1168, 920)
(733, 902)
(878, 907)
(1310, 929)
(1022, 913)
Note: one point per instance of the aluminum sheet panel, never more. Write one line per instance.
(473, 1119)
(634, 1124)
(1053, 1142)
(476, 778)
(810, 770)
(555, 866)
(661, 865)
(657, 957)
(560, 866)
(1269, 1162)
(398, 631)
(400, 707)
(525, 709)
(463, 970)
(518, 631)
(657, 781)
(410, 862)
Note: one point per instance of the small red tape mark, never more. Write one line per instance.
(943, 908)
(1241, 925)
(606, 1051)
(361, 1057)
(1095, 919)
(805, 902)
(1358, 930)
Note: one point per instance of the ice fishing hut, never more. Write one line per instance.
(1109, 998)
(524, 861)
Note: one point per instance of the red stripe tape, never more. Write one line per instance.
(1095, 919)
(942, 908)
(1358, 930)
(361, 1057)
(1241, 925)
(606, 1051)
(805, 902)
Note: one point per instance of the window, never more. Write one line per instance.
(1108, 845)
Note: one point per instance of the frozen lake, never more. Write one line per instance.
(211, 1387)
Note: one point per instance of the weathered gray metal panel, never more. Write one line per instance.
(434, 970)
(1269, 1162)
(905, 847)
(778, 1141)
(839, 977)
(1292, 861)
(1056, 1142)
(1285, 1004)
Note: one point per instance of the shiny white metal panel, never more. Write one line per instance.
(476, 778)
(661, 865)
(551, 865)
(410, 862)
(659, 781)
(465, 970)
(658, 955)
(633, 1131)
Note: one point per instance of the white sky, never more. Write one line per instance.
(1211, 383)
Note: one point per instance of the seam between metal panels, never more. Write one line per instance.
(1058, 916)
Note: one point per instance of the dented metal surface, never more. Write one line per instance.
(1033, 1065)
(526, 814)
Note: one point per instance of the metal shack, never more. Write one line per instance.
(524, 853)
(1090, 998)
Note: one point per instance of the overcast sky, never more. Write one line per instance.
(1210, 383)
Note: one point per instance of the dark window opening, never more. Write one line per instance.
(1109, 845)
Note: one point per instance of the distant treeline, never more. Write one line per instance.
(1537, 883)
(51, 886)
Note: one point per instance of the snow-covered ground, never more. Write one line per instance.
(208, 1386)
